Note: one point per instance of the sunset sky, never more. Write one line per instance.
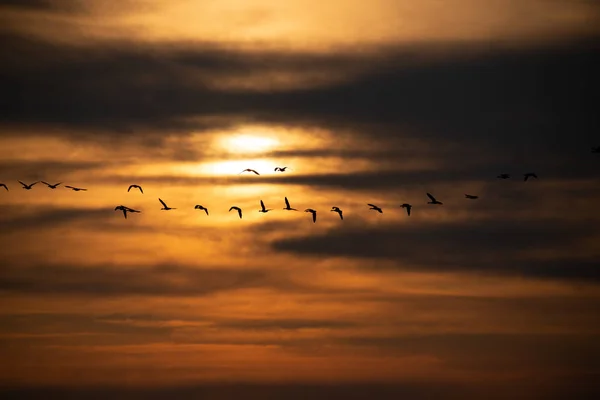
(377, 101)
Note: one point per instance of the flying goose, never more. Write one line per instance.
(407, 206)
(51, 186)
(27, 187)
(374, 207)
(165, 207)
(249, 170)
(281, 169)
(470, 196)
(199, 207)
(503, 176)
(313, 212)
(287, 205)
(529, 175)
(75, 188)
(263, 209)
(126, 210)
(239, 210)
(433, 200)
(135, 186)
(5, 187)
(337, 210)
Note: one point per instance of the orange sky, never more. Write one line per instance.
(376, 103)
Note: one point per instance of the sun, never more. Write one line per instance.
(248, 143)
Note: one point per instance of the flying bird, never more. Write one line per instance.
(135, 186)
(374, 207)
(51, 186)
(313, 212)
(287, 205)
(503, 176)
(470, 196)
(75, 188)
(596, 149)
(199, 207)
(281, 169)
(263, 209)
(408, 207)
(165, 207)
(249, 170)
(239, 210)
(529, 175)
(5, 187)
(433, 200)
(337, 210)
(126, 210)
(27, 187)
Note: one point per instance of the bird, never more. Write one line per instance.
(126, 210)
(528, 175)
(135, 186)
(287, 205)
(75, 188)
(596, 149)
(337, 210)
(503, 176)
(470, 196)
(27, 187)
(281, 169)
(165, 207)
(5, 187)
(313, 212)
(239, 210)
(374, 207)
(263, 209)
(199, 207)
(407, 206)
(51, 186)
(433, 200)
(249, 170)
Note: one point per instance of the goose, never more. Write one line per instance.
(126, 210)
(313, 212)
(199, 207)
(529, 175)
(374, 207)
(281, 169)
(76, 189)
(287, 205)
(165, 207)
(433, 200)
(470, 196)
(407, 206)
(239, 210)
(27, 187)
(51, 186)
(337, 210)
(135, 186)
(263, 209)
(249, 170)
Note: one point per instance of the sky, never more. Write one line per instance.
(365, 102)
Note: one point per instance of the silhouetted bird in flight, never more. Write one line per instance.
(165, 207)
(5, 187)
(263, 209)
(374, 207)
(529, 175)
(596, 149)
(199, 207)
(126, 210)
(135, 186)
(337, 210)
(239, 210)
(249, 170)
(433, 200)
(27, 187)
(503, 176)
(287, 205)
(407, 206)
(75, 188)
(281, 169)
(470, 196)
(313, 212)
(51, 186)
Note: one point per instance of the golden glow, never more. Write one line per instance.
(246, 143)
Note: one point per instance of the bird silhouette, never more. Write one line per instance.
(263, 209)
(135, 186)
(529, 175)
(374, 207)
(5, 187)
(51, 186)
(287, 205)
(126, 210)
(239, 210)
(76, 189)
(337, 210)
(313, 212)
(249, 170)
(470, 196)
(165, 207)
(596, 149)
(503, 176)
(27, 187)
(433, 200)
(281, 169)
(199, 207)
(408, 208)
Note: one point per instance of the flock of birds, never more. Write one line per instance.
(263, 208)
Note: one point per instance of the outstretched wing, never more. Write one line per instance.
(255, 172)
(341, 215)
(70, 187)
(162, 202)
(22, 183)
(5, 187)
(141, 190)
(46, 183)
(130, 186)
(431, 196)
(240, 212)
(262, 205)
(408, 210)
(206, 210)
(287, 203)
(372, 205)
(125, 213)
(314, 216)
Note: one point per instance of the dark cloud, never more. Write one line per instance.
(43, 5)
(19, 218)
(44, 170)
(488, 247)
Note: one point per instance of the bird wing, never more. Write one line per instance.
(130, 186)
(46, 183)
(5, 187)
(22, 183)
(341, 215)
(162, 202)
(262, 205)
(125, 213)
(33, 183)
(205, 210)
(372, 205)
(240, 212)
(408, 210)
(431, 197)
(287, 203)
(255, 172)
(141, 190)
(314, 216)
(70, 187)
